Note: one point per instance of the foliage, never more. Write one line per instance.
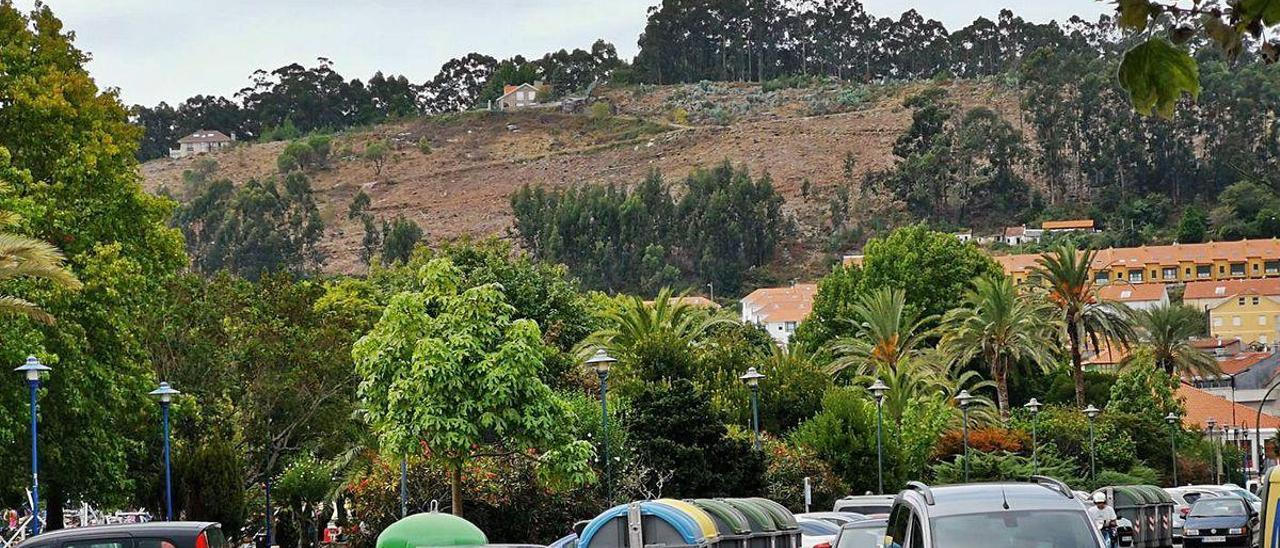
(1156, 73)
(254, 229)
(787, 469)
(1167, 331)
(616, 239)
(307, 154)
(932, 268)
(832, 310)
(790, 392)
(985, 440)
(1004, 466)
(653, 341)
(376, 153)
(674, 430)
(424, 145)
(211, 485)
(399, 239)
(449, 368)
(886, 335)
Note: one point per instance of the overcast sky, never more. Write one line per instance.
(168, 50)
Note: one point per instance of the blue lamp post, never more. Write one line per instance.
(600, 363)
(752, 379)
(165, 394)
(32, 370)
(878, 390)
(964, 399)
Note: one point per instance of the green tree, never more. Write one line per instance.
(653, 341)
(1167, 330)
(376, 153)
(399, 238)
(832, 308)
(303, 487)
(933, 269)
(212, 484)
(1193, 226)
(26, 257)
(887, 334)
(1001, 328)
(1085, 318)
(450, 370)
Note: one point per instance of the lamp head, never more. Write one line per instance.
(963, 398)
(1171, 418)
(1212, 423)
(878, 390)
(165, 393)
(32, 368)
(1092, 412)
(751, 377)
(601, 362)
(1033, 406)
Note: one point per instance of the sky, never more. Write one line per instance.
(168, 50)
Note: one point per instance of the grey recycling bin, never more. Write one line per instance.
(640, 524)
(763, 530)
(784, 520)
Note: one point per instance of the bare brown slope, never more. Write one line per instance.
(478, 159)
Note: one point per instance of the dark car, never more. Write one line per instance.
(867, 533)
(1219, 521)
(162, 534)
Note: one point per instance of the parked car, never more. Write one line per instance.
(838, 518)
(156, 534)
(868, 533)
(1184, 497)
(1043, 512)
(816, 531)
(868, 505)
(1220, 521)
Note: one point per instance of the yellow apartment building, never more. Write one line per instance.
(1247, 310)
(1177, 263)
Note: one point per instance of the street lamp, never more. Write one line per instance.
(963, 398)
(165, 394)
(1033, 406)
(404, 486)
(1213, 423)
(32, 370)
(601, 362)
(752, 380)
(1172, 419)
(1092, 412)
(878, 390)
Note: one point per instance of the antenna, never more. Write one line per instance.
(1004, 499)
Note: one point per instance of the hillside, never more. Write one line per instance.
(479, 158)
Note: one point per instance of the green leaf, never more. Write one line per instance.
(1229, 38)
(1156, 74)
(1267, 11)
(1134, 13)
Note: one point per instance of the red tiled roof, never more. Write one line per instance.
(693, 300)
(1168, 255)
(206, 136)
(1132, 292)
(1015, 230)
(782, 304)
(1072, 224)
(1226, 288)
(1241, 361)
(1201, 406)
(1110, 355)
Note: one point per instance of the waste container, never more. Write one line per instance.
(784, 520)
(1130, 505)
(429, 530)
(733, 526)
(1162, 514)
(708, 525)
(640, 524)
(763, 530)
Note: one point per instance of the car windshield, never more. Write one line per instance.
(1026, 529)
(861, 538)
(813, 527)
(1216, 507)
(866, 508)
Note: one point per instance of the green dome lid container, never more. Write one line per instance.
(431, 529)
(734, 527)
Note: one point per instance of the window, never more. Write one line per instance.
(1204, 271)
(1236, 321)
(1262, 320)
(1262, 339)
(1255, 267)
(1100, 277)
(99, 543)
(1135, 276)
(1154, 275)
(1240, 301)
(1217, 321)
(1237, 269)
(1271, 267)
(917, 533)
(1171, 273)
(896, 529)
(1255, 301)
(1013, 529)
(790, 327)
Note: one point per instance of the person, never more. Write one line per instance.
(1104, 518)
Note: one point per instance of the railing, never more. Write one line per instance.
(18, 535)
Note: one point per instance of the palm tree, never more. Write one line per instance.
(1168, 330)
(636, 326)
(1002, 328)
(887, 334)
(1083, 316)
(26, 257)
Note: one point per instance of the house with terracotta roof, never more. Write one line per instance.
(1018, 235)
(522, 96)
(779, 310)
(1136, 296)
(1176, 263)
(200, 142)
(1201, 406)
(1247, 310)
(696, 301)
(1069, 225)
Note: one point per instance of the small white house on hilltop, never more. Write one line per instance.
(200, 142)
(779, 310)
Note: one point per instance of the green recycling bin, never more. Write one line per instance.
(1161, 505)
(784, 520)
(1130, 504)
(763, 530)
(431, 529)
(735, 529)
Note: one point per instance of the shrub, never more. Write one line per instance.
(424, 145)
(1004, 466)
(680, 116)
(788, 466)
(601, 110)
(987, 440)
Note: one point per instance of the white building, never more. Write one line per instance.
(1018, 235)
(200, 142)
(1136, 296)
(779, 310)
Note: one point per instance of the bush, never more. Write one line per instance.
(987, 440)
(399, 239)
(601, 110)
(424, 145)
(1004, 466)
(212, 486)
(788, 466)
(680, 116)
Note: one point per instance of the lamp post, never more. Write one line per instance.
(165, 394)
(752, 379)
(1033, 407)
(963, 398)
(1241, 435)
(600, 363)
(1213, 424)
(1172, 419)
(32, 370)
(404, 486)
(878, 390)
(1092, 412)
(1257, 430)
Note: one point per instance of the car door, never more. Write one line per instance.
(896, 530)
(915, 536)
